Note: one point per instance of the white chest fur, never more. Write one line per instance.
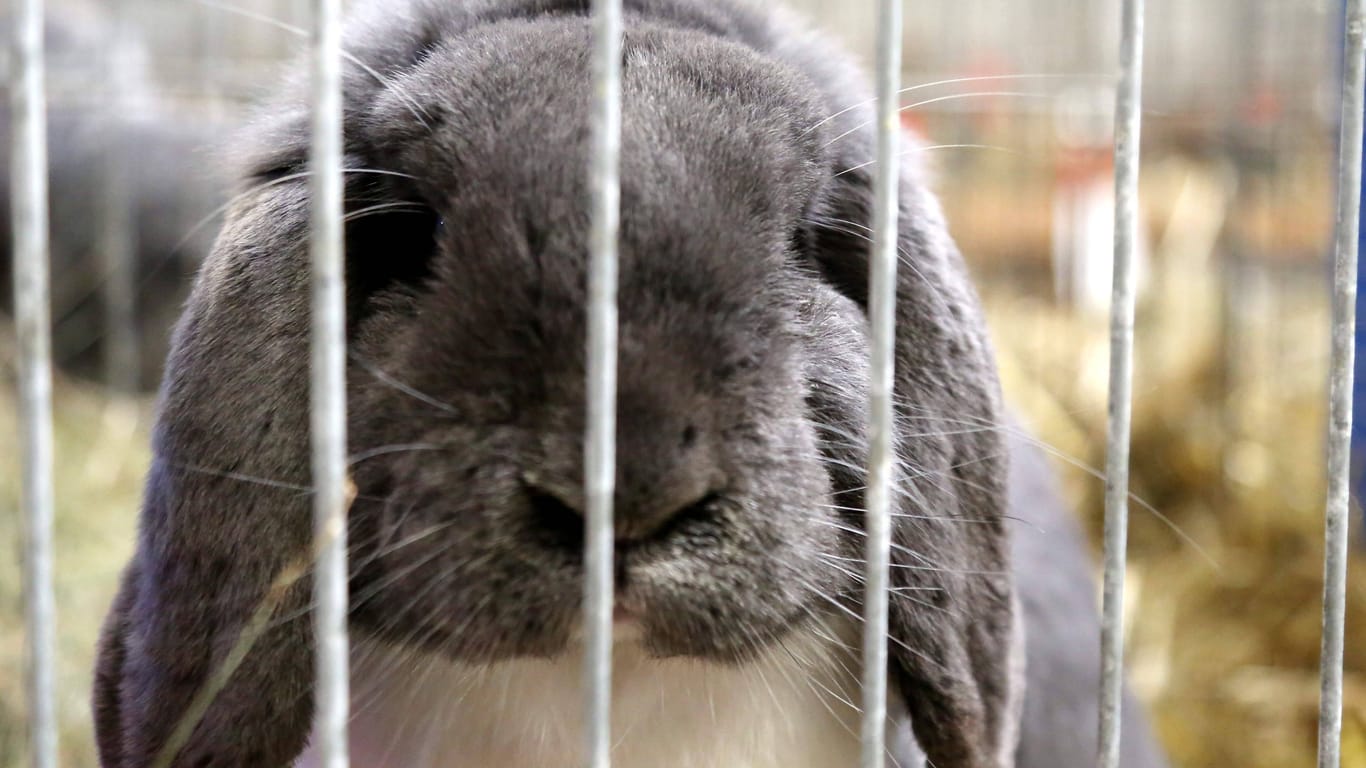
(791, 708)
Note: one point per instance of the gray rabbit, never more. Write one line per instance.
(742, 402)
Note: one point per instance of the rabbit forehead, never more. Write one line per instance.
(504, 112)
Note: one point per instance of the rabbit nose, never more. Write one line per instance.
(649, 512)
(650, 496)
(667, 470)
(636, 517)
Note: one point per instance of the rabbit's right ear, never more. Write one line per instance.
(109, 672)
(955, 644)
(226, 519)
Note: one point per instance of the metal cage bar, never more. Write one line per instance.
(600, 437)
(881, 445)
(32, 323)
(1340, 387)
(1128, 109)
(328, 388)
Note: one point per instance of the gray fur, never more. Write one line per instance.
(1058, 599)
(742, 386)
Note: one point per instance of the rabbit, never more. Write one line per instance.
(1052, 575)
(169, 186)
(742, 399)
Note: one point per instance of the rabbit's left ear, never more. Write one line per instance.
(955, 645)
(962, 679)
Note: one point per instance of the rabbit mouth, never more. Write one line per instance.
(473, 568)
(723, 587)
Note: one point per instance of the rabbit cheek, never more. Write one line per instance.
(728, 586)
(449, 563)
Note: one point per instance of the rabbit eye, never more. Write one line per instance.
(389, 247)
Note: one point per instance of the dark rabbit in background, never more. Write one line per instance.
(164, 180)
(742, 402)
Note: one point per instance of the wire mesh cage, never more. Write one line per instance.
(1162, 319)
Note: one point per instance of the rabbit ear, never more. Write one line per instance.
(226, 523)
(109, 673)
(953, 631)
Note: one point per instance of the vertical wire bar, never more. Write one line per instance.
(32, 323)
(1340, 388)
(600, 449)
(882, 313)
(328, 388)
(1127, 136)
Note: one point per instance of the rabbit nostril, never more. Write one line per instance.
(557, 521)
(659, 527)
(704, 509)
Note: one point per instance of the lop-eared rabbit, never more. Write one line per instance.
(743, 397)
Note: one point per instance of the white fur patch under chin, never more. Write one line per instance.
(791, 708)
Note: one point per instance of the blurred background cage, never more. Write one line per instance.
(1239, 140)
